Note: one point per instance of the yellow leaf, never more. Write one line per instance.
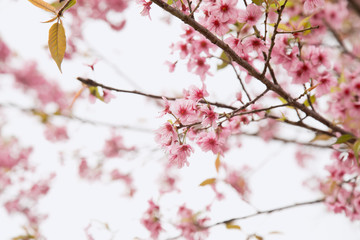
(217, 162)
(229, 225)
(321, 137)
(68, 4)
(43, 5)
(258, 237)
(51, 20)
(57, 43)
(208, 181)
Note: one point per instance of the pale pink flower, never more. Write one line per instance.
(146, 9)
(165, 135)
(107, 95)
(301, 72)
(56, 133)
(151, 220)
(171, 65)
(179, 154)
(210, 117)
(184, 110)
(311, 6)
(235, 44)
(166, 107)
(214, 24)
(201, 68)
(114, 147)
(196, 94)
(210, 141)
(238, 182)
(4, 51)
(254, 44)
(88, 173)
(251, 15)
(325, 82)
(191, 226)
(225, 10)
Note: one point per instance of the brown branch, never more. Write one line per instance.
(251, 70)
(292, 141)
(90, 82)
(258, 213)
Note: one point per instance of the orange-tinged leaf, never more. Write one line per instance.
(229, 225)
(43, 5)
(217, 162)
(321, 137)
(68, 4)
(208, 181)
(51, 20)
(258, 237)
(57, 43)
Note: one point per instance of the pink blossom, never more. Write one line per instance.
(201, 68)
(325, 82)
(238, 182)
(251, 15)
(210, 117)
(4, 51)
(254, 44)
(196, 94)
(151, 220)
(210, 141)
(235, 44)
(107, 95)
(171, 65)
(191, 226)
(311, 6)
(214, 24)
(179, 154)
(56, 133)
(184, 110)
(88, 173)
(146, 9)
(225, 10)
(166, 107)
(114, 147)
(165, 135)
(301, 72)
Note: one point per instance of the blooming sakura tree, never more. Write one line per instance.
(286, 72)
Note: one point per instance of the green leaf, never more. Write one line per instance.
(43, 5)
(344, 138)
(356, 149)
(66, 6)
(208, 181)
(169, 2)
(312, 100)
(57, 43)
(258, 2)
(225, 61)
(229, 225)
(95, 92)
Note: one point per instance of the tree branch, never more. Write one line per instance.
(251, 70)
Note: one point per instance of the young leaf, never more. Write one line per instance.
(43, 5)
(344, 138)
(229, 225)
(57, 43)
(225, 61)
(217, 162)
(356, 149)
(312, 100)
(208, 181)
(321, 137)
(95, 92)
(66, 6)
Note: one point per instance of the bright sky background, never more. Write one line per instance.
(139, 52)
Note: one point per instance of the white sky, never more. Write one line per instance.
(140, 51)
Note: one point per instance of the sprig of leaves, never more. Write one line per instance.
(57, 37)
